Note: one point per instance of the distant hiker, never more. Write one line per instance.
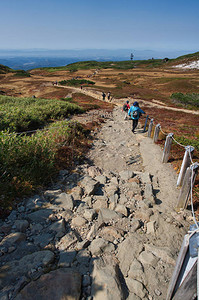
(103, 96)
(135, 113)
(125, 109)
(109, 95)
(81, 87)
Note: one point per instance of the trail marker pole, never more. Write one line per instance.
(156, 133)
(150, 128)
(167, 148)
(185, 164)
(145, 125)
(186, 187)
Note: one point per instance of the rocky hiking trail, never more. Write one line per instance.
(106, 231)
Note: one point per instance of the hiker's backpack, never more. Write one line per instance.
(135, 114)
(125, 108)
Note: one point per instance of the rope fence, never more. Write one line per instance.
(184, 283)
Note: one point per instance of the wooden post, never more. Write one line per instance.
(150, 128)
(145, 125)
(167, 148)
(178, 267)
(185, 164)
(156, 133)
(186, 187)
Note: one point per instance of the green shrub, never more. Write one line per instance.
(22, 114)
(76, 82)
(186, 99)
(31, 161)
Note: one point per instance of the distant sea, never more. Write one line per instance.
(38, 58)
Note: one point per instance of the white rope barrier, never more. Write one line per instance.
(178, 143)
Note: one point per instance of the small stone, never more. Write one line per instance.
(21, 209)
(121, 209)
(86, 280)
(89, 214)
(78, 221)
(21, 225)
(150, 227)
(157, 292)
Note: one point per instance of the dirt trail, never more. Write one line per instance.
(119, 102)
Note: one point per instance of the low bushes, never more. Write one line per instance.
(186, 99)
(29, 162)
(76, 82)
(22, 114)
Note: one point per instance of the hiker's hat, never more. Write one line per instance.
(127, 101)
(135, 103)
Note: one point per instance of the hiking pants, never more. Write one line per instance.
(134, 124)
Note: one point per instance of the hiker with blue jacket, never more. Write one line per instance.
(135, 112)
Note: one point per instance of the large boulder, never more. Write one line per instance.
(62, 284)
(14, 269)
(105, 280)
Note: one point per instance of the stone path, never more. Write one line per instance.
(107, 231)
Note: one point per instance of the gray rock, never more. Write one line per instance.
(34, 203)
(136, 287)
(78, 221)
(42, 240)
(67, 240)
(113, 198)
(122, 199)
(14, 269)
(151, 227)
(148, 193)
(21, 225)
(127, 251)
(105, 280)
(59, 284)
(126, 175)
(51, 194)
(86, 281)
(147, 258)
(12, 216)
(81, 208)
(21, 209)
(65, 201)
(36, 228)
(12, 238)
(111, 189)
(161, 252)
(82, 245)
(106, 215)
(66, 215)
(90, 185)
(99, 204)
(121, 209)
(89, 214)
(132, 296)
(66, 258)
(101, 178)
(136, 270)
(114, 180)
(39, 216)
(111, 233)
(100, 245)
(58, 227)
(135, 225)
(93, 171)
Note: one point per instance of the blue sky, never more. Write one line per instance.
(101, 24)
